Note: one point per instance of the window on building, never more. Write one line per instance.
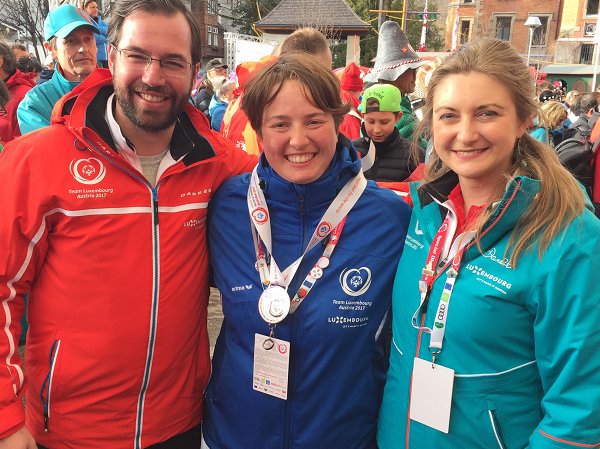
(467, 1)
(212, 37)
(213, 7)
(591, 7)
(587, 51)
(540, 34)
(503, 27)
(465, 31)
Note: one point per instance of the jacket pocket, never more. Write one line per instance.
(495, 426)
(46, 390)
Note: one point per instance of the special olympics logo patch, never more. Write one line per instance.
(260, 215)
(323, 229)
(355, 281)
(87, 171)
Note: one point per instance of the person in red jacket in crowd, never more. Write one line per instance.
(235, 125)
(18, 83)
(352, 86)
(103, 224)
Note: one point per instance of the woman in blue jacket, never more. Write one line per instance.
(91, 7)
(304, 252)
(496, 303)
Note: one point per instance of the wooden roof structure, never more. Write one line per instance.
(334, 18)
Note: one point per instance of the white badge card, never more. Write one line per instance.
(431, 394)
(271, 366)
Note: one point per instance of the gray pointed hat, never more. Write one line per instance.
(394, 54)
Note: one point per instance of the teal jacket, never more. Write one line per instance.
(36, 108)
(523, 342)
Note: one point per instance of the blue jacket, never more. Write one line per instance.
(36, 108)
(337, 364)
(216, 110)
(101, 39)
(523, 341)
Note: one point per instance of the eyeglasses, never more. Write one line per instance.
(139, 61)
(2, 111)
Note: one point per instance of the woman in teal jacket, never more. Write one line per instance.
(496, 302)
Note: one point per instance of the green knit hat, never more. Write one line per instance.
(388, 96)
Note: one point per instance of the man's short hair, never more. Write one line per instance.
(21, 47)
(588, 101)
(307, 40)
(9, 62)
(123, 8)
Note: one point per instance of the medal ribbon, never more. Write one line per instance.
(260, 217)
(317, 270)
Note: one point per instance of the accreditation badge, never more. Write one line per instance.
(271, 366)
(431, 394)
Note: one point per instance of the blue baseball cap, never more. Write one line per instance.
(63, 20)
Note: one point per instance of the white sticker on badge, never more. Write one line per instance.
(271, 366)
(431, 394)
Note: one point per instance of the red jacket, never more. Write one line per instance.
(18, 84)
(117, 349)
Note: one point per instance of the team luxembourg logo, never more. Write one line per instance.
(323, 229)
(260, 215)
(355, 281)
(87, 171)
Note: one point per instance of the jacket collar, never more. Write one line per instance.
(83, 109)
(518, 195)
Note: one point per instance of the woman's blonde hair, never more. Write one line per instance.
(560, 198)
(552, 114)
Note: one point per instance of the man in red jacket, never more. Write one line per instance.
(103, 221)
(18, 83)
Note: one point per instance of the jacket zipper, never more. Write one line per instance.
(46, 389)
(153, 316)
(287, 437)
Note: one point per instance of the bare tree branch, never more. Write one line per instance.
(26, 16)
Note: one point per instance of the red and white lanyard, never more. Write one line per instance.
(442, 249)
(333, 217)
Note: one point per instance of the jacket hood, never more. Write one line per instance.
(82, 112)
(20, 79)
(344, 165)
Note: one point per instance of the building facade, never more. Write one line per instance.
(505, 19)
(575, 43)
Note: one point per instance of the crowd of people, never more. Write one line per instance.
(338, 214)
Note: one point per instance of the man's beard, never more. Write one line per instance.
(151, 121)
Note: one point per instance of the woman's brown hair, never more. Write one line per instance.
(318, 81)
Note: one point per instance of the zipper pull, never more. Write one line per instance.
(46, 419)
(155, 203)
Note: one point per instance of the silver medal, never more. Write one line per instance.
(274, 304)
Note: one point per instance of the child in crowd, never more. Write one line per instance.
(218, 104)
(392, 159)
(351, 87)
